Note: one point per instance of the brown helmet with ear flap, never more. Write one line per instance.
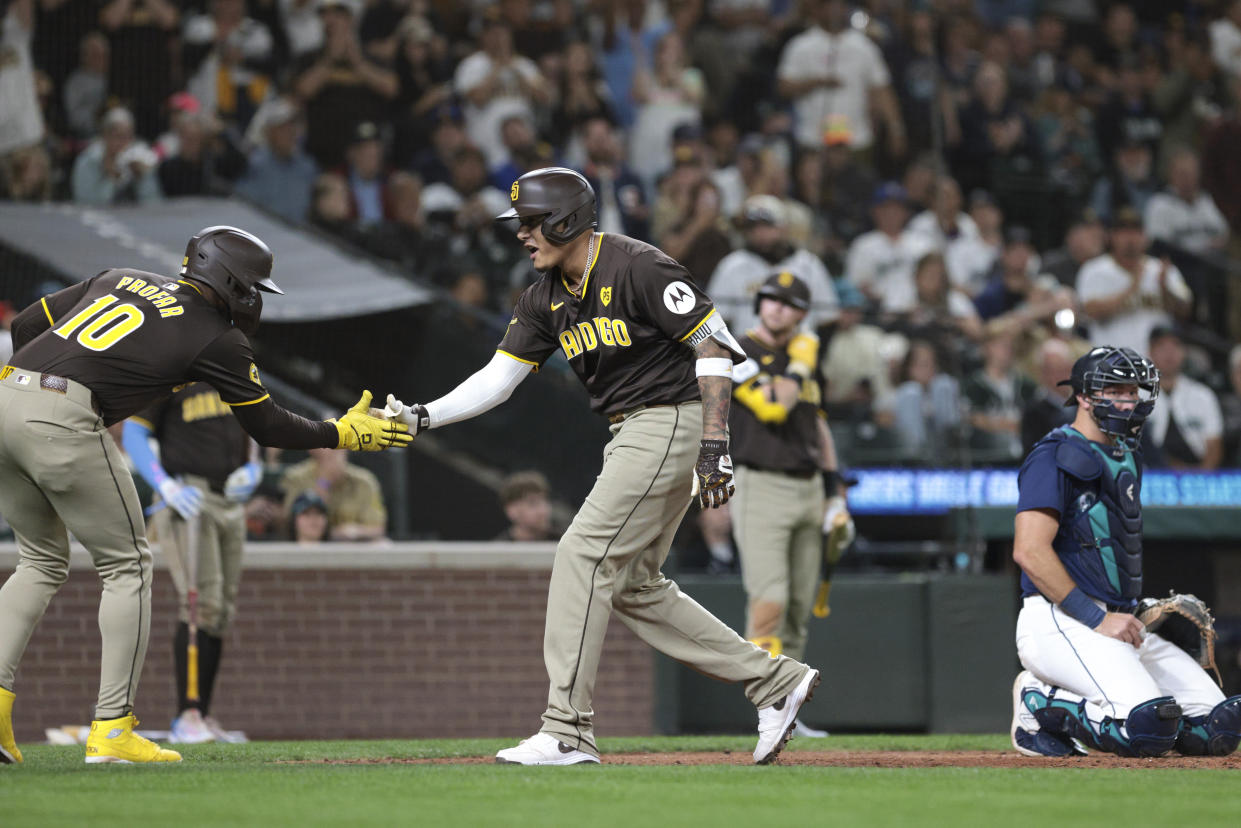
(565, 197)
(236, 265)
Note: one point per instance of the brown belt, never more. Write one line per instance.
(620, 418)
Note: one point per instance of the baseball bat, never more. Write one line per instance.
(831, 555)
(191, 594)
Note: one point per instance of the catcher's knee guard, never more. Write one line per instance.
(1152, 726)
(1216, 734)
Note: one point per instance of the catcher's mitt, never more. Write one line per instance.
(1185, 621)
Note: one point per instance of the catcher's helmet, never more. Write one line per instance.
(784, 287)
(236, 265)
(563, 196)
(1108, 365)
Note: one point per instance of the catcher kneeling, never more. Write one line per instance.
(1102, 671)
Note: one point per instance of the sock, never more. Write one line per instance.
(181, 663)
(210, 648)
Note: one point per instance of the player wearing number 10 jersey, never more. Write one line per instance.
(89, 356)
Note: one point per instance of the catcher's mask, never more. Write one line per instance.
(1110, 366)
(564, 199)
(236, 265)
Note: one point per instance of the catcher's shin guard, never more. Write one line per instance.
(1216, 734)
(1152, 726)
(1150, 730)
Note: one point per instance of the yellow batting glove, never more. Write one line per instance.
(361, 431)
(803, 353)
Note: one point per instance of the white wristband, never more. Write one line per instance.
(714, 367)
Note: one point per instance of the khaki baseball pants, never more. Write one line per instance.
(61, 470)
(221, 534)
(778, 523)
(609, 562)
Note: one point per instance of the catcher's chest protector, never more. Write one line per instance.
(1105, 518)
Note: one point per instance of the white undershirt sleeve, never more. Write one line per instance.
(482, 391)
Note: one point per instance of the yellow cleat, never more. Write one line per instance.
(114, 740)
(9, 754)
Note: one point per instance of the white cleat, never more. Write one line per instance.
(190, 729)
(777, 722)
(544, 749)
(805, 731)
(231, 737)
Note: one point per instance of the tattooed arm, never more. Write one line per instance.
(716, 393)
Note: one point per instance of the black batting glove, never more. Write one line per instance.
(713, 474)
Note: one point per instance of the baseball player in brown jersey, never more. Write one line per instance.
(781, 447)
(657, 361)
(205, 474)
(90, 356)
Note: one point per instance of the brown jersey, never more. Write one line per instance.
(764, 435)
(132, 337)
(628, 333)
(197, 434)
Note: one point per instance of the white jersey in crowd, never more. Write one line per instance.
(885, 267)
(926, 226)
(21, 119)
(1102, 277)
(482, 123)
(739, 275)
(1197, 226)
(1226, 46)
(969, 260)
(850, 57)
(1196, 410)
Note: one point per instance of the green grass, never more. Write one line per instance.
(247, 785)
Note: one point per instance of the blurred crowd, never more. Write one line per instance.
(976, 190)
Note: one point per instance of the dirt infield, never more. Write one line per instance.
(854, 759)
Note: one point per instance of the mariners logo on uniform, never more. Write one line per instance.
(512, 194)
(254, 374)
(605, 295)
(678, 298)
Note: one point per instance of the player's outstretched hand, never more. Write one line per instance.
(713, 474)
(359, 431)
(413, 416)
(186, 501)
(1123, 627)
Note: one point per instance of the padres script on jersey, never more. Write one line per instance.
(128, 337)
(628, 334)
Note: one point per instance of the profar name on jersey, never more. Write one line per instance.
(158, 296)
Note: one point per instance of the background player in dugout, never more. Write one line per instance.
(782, 447)
(1094, 676)
(90, 356)
(204, 472)
(657, 360)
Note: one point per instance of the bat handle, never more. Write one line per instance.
(191, 650)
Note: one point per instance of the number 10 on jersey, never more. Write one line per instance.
(102, 326)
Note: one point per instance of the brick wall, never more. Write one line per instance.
(402, 653)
